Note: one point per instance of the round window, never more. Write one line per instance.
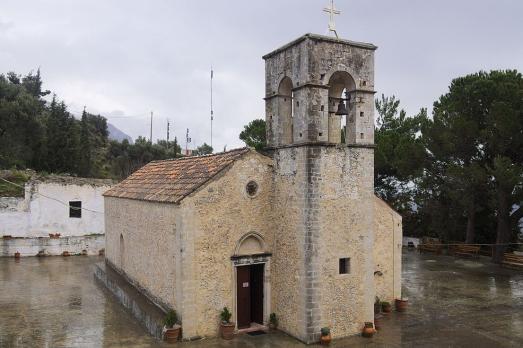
(251, 188)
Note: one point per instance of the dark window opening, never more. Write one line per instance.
(345, 265)
(320, 134)
(75, 209)
(362, 114)
(322, 108)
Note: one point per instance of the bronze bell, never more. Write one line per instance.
(342, 110)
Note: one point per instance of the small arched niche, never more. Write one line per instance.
(285, 111)
(250, 244)
(341, 84)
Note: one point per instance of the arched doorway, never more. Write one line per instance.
(252, 281)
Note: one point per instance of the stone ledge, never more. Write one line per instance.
(149, 314)
(320, 143)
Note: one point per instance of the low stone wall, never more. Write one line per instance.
(144, 310)
(90, 245)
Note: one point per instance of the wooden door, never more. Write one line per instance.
(257, 293)
(243, 294)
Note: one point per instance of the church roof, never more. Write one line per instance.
(172, 180)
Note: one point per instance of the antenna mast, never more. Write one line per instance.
(212, 112)
(187, 141)
(167, 134)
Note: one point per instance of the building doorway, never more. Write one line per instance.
(249, 294)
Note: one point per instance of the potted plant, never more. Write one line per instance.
(401, 304)
(226, 326)
(273, 321)
(325, 338)
(17, 255)
(386, 307)
(171, 328)
(377, 305)
(368, 330)
(378, 320)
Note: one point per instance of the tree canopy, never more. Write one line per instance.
(253, 134)
(45, 136)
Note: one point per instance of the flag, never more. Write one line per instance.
(212, 73)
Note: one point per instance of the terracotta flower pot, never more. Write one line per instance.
(17, 255)
(326, 340)
(66, 253)
(386, 307)
(368, 330)
(227, 330)
(401, 305)
(273, 326)
(171, 334)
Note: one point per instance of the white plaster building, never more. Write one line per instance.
(67, 207)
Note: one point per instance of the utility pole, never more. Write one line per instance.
(151, 132)
(212, 112)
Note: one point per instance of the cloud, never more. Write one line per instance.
(127, 58)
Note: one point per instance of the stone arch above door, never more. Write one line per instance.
(251, 243)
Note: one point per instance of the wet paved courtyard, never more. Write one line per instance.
(55, 302)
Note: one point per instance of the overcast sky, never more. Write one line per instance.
(126, 58)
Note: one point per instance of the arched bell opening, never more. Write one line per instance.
(285, 111)
(341, 86)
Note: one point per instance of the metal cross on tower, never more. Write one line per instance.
(332, 12)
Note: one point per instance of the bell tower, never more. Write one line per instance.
(306, 80)
(319, 94)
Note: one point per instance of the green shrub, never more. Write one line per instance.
(273, 319)
(225, 315)
(170, 319)
(325, 331)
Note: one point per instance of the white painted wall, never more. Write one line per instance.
(38, 216)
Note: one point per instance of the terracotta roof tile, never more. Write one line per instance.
(172, 180)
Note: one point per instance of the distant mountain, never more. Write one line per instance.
(116, 134)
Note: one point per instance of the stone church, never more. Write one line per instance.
(296, 230)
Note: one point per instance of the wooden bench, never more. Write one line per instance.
(467, 250)
(453, 245)
(513, 260)
(436, 248)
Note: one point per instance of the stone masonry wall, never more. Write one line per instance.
(210, 223)
(387, 251)
(324, 212)
(148, 257)
(347, 231)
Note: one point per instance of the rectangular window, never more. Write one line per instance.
(345, 265)
(75, 209)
